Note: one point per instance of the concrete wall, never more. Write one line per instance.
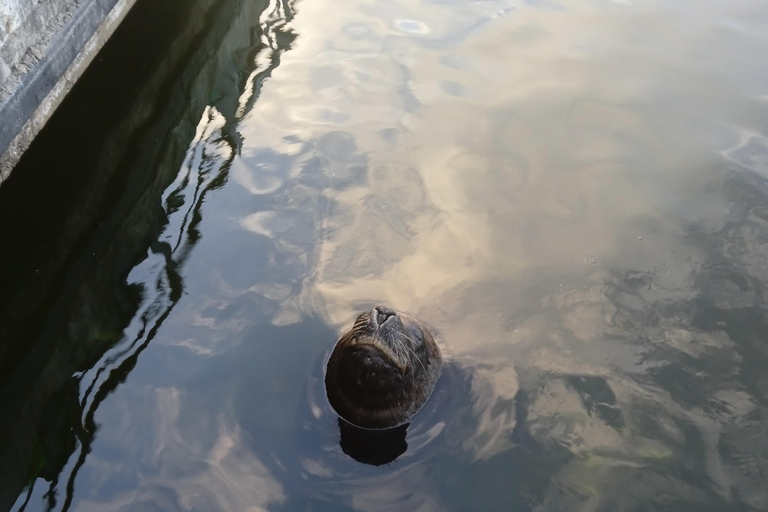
(44, 47)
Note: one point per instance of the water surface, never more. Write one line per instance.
(573, 194)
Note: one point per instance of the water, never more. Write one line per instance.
(573, 194)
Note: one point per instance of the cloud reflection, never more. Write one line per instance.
(180, 473)
(546, 222)
(595, 276)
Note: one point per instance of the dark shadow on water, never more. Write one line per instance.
(84, 207)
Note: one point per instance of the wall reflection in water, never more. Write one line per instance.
(73, 327)
(572, 196)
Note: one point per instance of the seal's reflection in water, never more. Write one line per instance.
(374, 447)
(449, 404)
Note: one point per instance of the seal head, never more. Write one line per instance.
(382, 370)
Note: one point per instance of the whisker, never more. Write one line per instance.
(411, 351)
(359, 327)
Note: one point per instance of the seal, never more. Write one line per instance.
(382, 370)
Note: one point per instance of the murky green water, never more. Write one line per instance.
(573, 194)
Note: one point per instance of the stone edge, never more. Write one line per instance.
(51, 99)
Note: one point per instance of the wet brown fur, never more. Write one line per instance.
(380, 374)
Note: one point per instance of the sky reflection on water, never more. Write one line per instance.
(573, 194)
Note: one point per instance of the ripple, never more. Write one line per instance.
(412, 26)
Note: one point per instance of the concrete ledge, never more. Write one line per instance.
(36, 80)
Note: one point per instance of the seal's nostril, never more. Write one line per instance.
(382, 313)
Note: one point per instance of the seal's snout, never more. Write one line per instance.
(381, 314)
